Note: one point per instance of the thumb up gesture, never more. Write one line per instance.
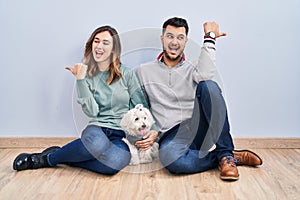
(79, 70)
(213, 27)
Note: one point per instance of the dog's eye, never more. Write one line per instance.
(145, 118)
(136, 119)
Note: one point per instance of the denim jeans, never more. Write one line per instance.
(184, 149)
(99, 150)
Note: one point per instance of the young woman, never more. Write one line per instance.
(106, 91)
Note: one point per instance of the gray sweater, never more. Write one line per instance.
(171, 91)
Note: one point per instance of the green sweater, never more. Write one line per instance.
(106, 104)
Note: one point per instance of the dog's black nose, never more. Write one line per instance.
(144, 125)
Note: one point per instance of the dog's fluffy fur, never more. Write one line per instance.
(136, 123)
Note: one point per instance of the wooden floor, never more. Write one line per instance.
(277, 178)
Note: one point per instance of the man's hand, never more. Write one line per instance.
(79, 70)
(213, 27)
(148, 141)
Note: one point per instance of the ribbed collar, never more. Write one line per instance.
(160, 57)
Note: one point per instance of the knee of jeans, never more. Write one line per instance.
(88, 135)
(94, 140)
(168, 156)
(208, 86)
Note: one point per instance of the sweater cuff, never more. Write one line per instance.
(208, 39)
(83, 89)
(210, 43)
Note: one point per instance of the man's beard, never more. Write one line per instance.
(170, 58)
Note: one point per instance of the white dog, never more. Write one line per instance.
(136, 123)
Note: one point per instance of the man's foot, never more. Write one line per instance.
(33, 161)
(246, 157)
(228, 169)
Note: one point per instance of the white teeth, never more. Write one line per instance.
(99, 52)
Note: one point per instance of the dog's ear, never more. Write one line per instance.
(125, 121)
(150, 117)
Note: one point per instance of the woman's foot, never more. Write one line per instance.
(33, 161)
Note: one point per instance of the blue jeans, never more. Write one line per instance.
(99, 150)
(184, 148)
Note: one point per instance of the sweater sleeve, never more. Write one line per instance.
(139, 76)
(85, 99)
(206, 65)
(135, 91)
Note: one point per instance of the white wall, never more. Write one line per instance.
(258, 60)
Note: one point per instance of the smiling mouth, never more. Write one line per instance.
(99, 53)
(173, 50)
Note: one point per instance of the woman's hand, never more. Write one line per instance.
(148, 141)
(79, 70)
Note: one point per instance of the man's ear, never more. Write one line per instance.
(162, 38)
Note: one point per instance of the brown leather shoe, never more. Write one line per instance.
(228, 169)
(246, 157)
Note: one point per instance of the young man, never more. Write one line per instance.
(188, 107)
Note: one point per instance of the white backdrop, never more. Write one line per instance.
(257, 61)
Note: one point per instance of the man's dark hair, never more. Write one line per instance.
(177, 22)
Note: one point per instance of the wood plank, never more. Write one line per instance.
(240, 143)
(277, 178)
(33, 142)
(267, 143)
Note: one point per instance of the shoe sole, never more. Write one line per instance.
(229, 178)
(261, 162)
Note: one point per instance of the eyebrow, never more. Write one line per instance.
(104, 40)
(168, 33)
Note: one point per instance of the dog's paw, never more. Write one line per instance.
(154, 151)
(146, 156)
